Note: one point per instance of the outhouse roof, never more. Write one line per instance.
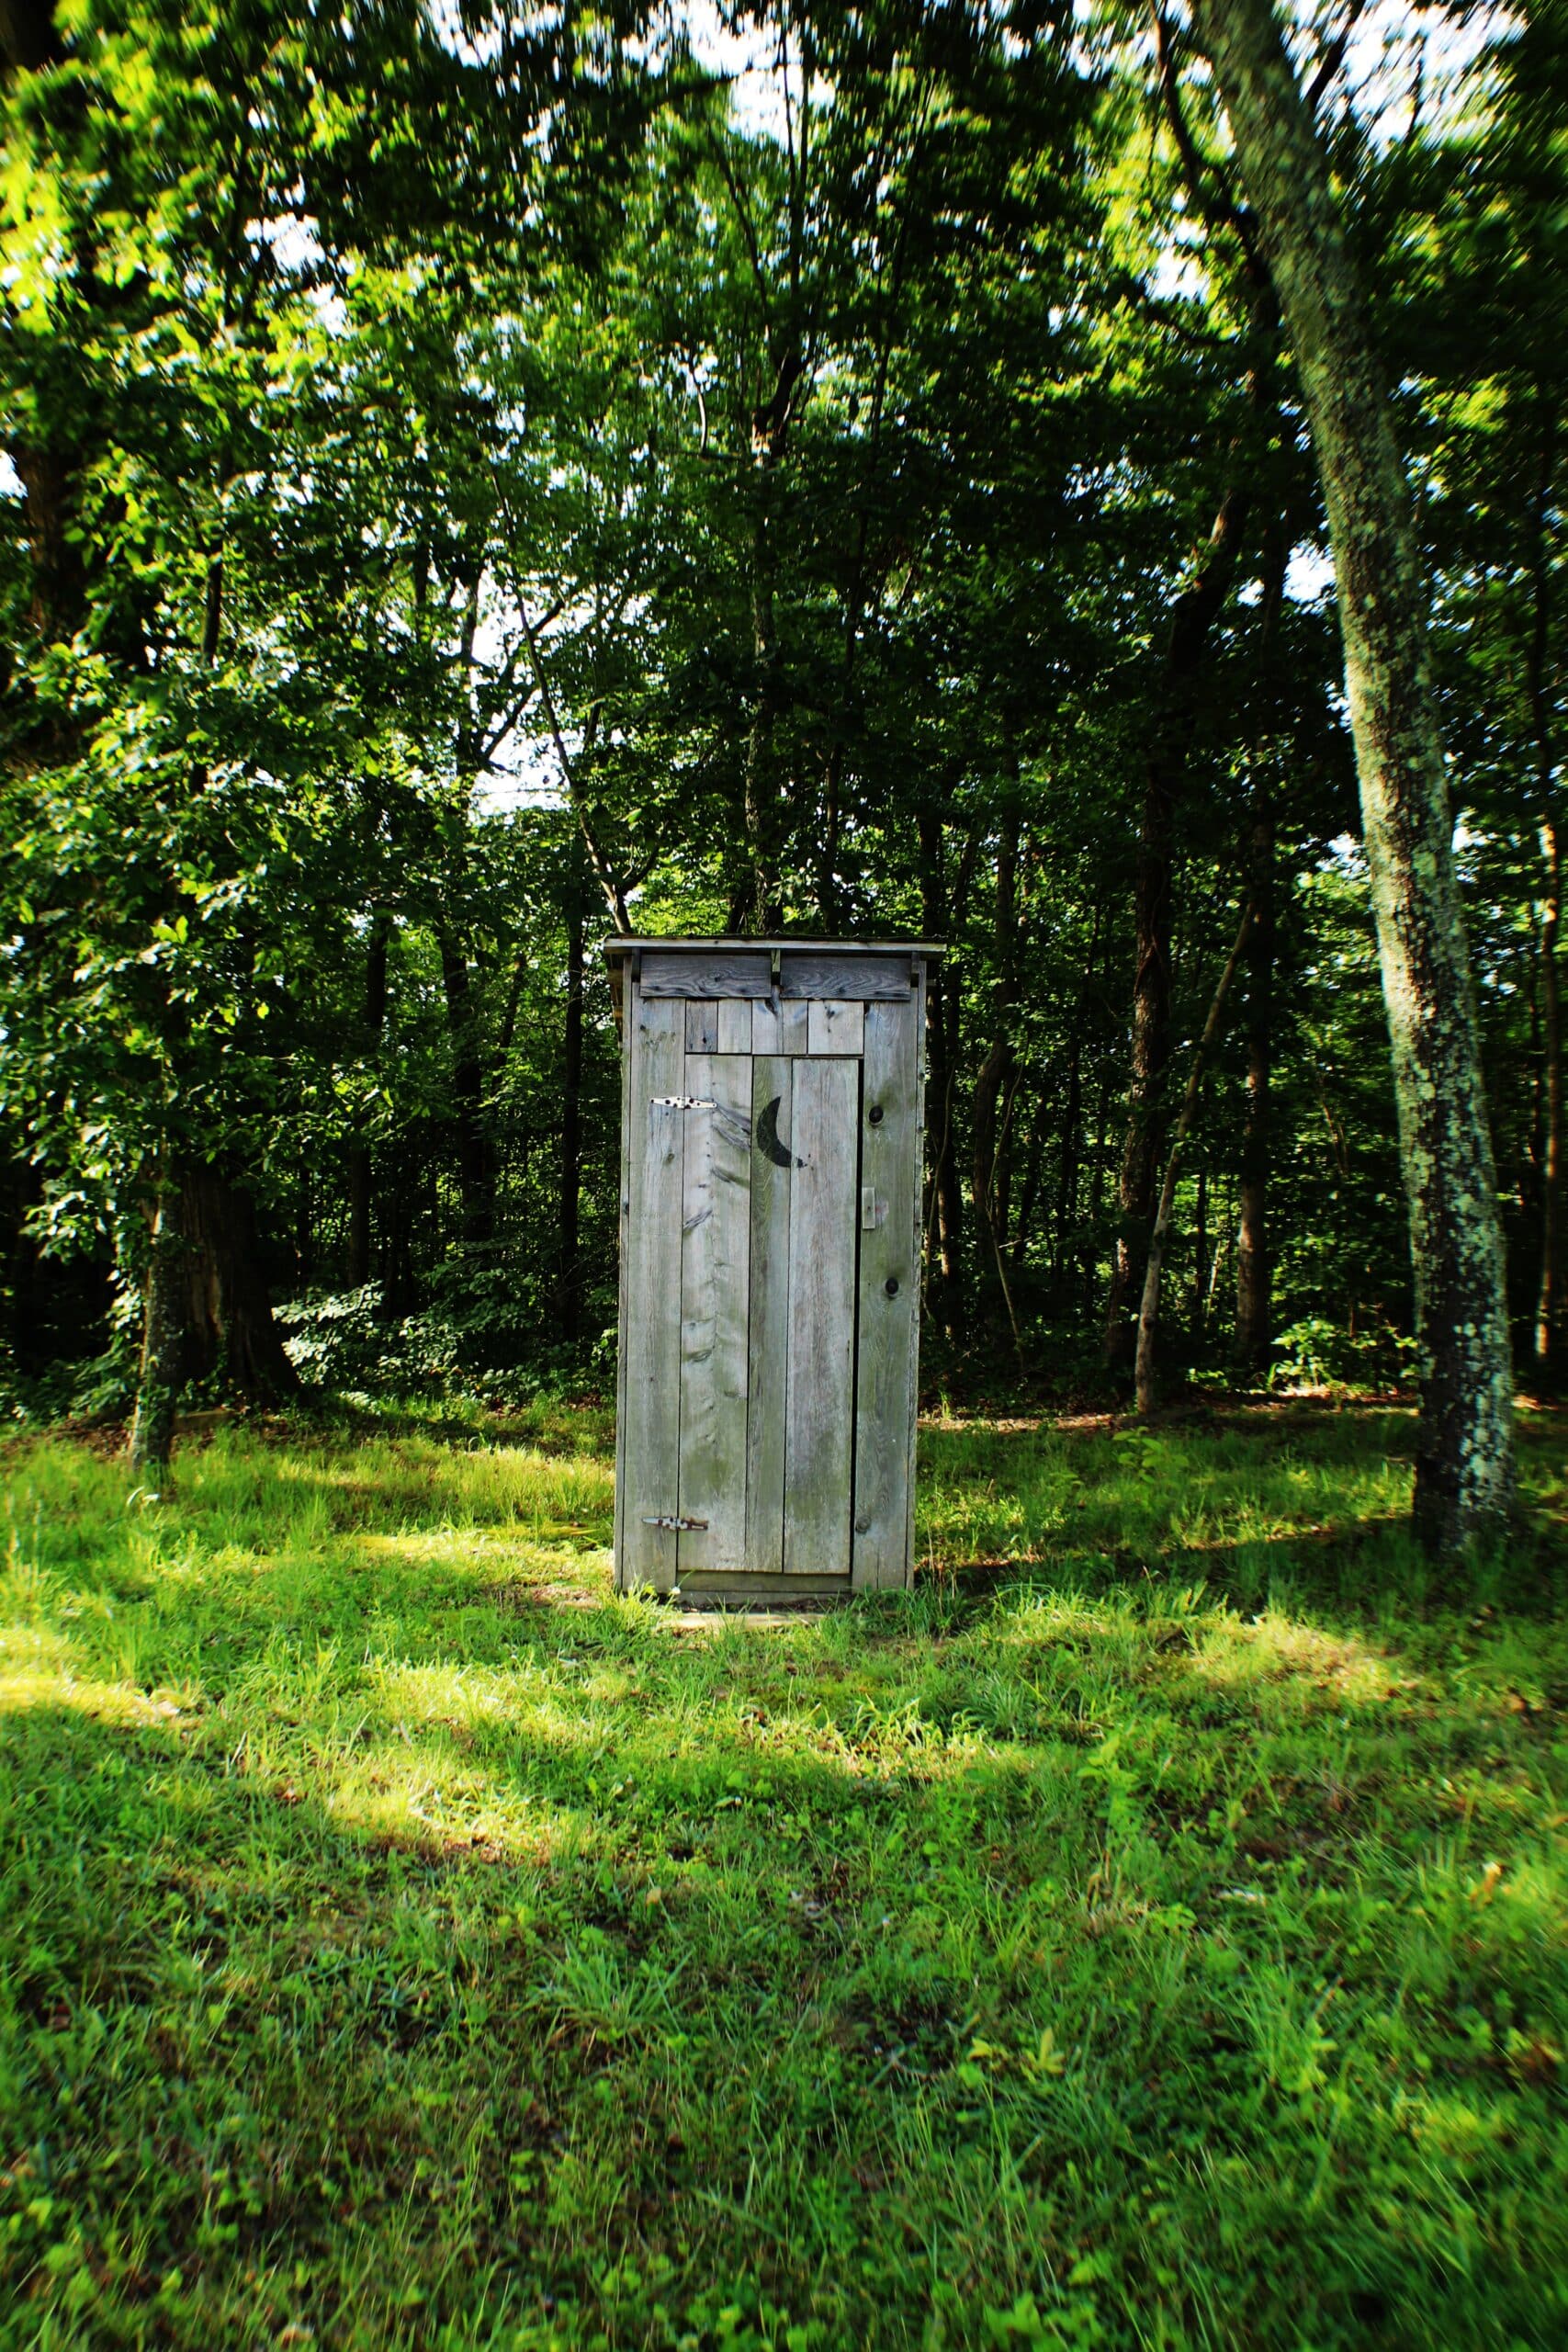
(621, 950)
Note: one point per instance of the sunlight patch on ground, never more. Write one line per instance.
(24, 1688)
(1234, 1653)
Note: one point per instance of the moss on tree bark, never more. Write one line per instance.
(1464, 1472)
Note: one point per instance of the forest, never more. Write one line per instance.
(848, 479)
(1080, 486)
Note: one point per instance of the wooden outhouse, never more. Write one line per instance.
(771, 1152)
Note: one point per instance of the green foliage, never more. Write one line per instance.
(464, 492)
(1150, 1930)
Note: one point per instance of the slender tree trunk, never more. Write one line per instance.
(1029, 1189)
(1254, 1264)
(358, 1270)
(1069, 1162)
(946, 1192)
(475, 1175)
(1464, 1470)
(568, 1287)
(994, 1069)
(1148, 1310)
(1200, 1257)
(163, 1346)
(757, 795)
(1097, 1171)
(1253, 1270)
(1549, 1304)
(1174, 723)
(1549, 1296)
(770, 442)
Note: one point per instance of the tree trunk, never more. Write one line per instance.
(569, 1299)
(1148, 1310)
(1549, 1296)
(1029, 1189)
(358, 1270)
(1200, 1257)
(994, 1069)
(229, 1310)
(475, 1178)
(159, 1376)
(1253, 1270)
(1464, 1467)
(1548, 1301)
(1175, 720)
(1070, 1159)
(946, 1192)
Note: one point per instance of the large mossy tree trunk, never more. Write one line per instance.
(1464, 1470)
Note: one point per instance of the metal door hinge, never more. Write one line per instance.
(666, 1518)
(683, 1102)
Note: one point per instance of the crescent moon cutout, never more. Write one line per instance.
(768, 1138)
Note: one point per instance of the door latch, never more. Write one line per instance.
(667, 1518)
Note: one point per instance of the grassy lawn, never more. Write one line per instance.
(1151, 1932)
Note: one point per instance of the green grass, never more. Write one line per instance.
(1153, 1930)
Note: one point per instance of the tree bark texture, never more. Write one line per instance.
(1464, 1470)
(1175, 720)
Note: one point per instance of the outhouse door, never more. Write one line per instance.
(768, 1232)
(770, 1271)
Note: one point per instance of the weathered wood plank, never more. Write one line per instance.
(728, 972)
(772, 1090)
(748, 1587)
(713, 1283)
(917, 1211)
(685, 973)
(867, 978)
(779, 1028)
(735, 1025)
(890, 1252)
(701, 1027)
(652, 1328)
(623, 1233)
(821, 1316)
(835, 1025)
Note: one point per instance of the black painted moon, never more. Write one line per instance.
(768, 1138)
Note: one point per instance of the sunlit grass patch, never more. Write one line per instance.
(408, 1941)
